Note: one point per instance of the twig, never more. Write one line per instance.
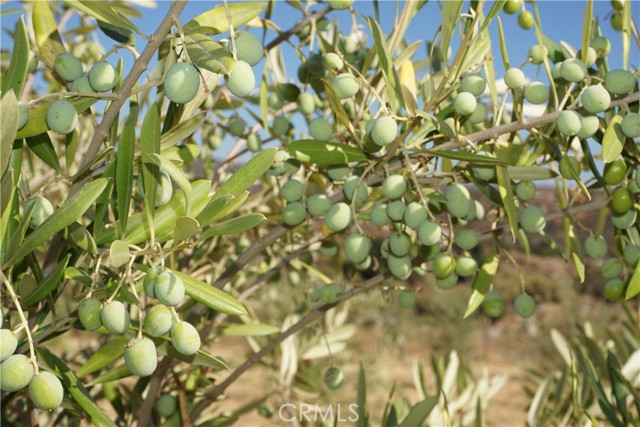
(284, 36)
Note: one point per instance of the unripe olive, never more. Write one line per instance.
(573, 70)
(102, 77)
(473, 83)
(466, 266)
(395, 210)
(407, 298)
(46, 392)
(514, 78)
(290, 92)
(537, 53)
(589, 124)
(614, 289)
(357, 247)
(394, 186)
(591, 58)
(622, 200)
(526, 190)
(241, 80)
(248, 48)
(320, 129)
(478, 209)
(617, 21)
(525, 20)
(62, 117)
(400, 244)
(595, 246)
(601, 45)
(525, 305)
(596, 99)
(356, 188)
(536, 93)
(115, 317)
(89, 313)
(280, 126)
(275, 100)
(15, 373)
(23, 116)
(493, 304)
(68, 66)
(81, 85)
(345, 85)
(615, 172)
(330, 294)
(617, 4)
(306, 103)
(166, 405)
(512, 6)
(414, 215)
(479, 115)
(318, 204)
(253, 143)
(185, 338)
(465, 103)
(448, 282)
(328, 248)
(332, 61)
(459, 201)
(631, 255)
(467, 239)
(182, 82)
(293, 214)
(340, 5)
(292, 190)
(338, 173)
(483, 171)
(338, 217)
(429, 233)
(158, 320)
(384, 130)
(630, 125)
(237, 126)
(569, 123)
(141, 357)
(443, 266)
(556, 73)
(8, 344)
(291, 165)
(379, 214)
(400, 267)
(169, 289)
(149, 281)
(532, 219)
(611, 268)
(625, 220)
(42, 210)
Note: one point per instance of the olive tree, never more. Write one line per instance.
(121, 222)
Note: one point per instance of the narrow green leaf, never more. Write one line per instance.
(482, 282)
(212, 209)
(201, 358)
(587, 22)
(185, 228)
(182, 131)
(389, 72)
(214, 21)
(150, 144)
(46, 33)
(70, 211)
(106, 355)
(325, 152)
(250, 330)
(626, 33)
(113, 374)
(633, 288)
(530, 173)
(503, 45)
(555, 50)
(419, 412)
(212, 297)
(244, 177)
(48, 285)
(43, 148)
(450, 13)
(336, 107)
(264, 93)
(466, 157)
(124, 166)
(9, 111)
(496, 8)
(613, 140)
(234, 205)
(37, 120)
(208, 54)
(104, 12)
(508, 199)
(119, 34)
(361, 400)
(233, 226)
(14, 77)
(76, 389)
(176, 175)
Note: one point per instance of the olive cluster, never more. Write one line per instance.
(140, 354)
(17, 372)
